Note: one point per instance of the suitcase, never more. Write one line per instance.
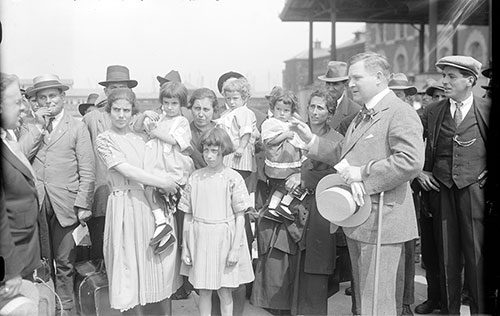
(47, 298)
(92, 290)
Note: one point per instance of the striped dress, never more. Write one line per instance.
(136, 276)
(213, 200)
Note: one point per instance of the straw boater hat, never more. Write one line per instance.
(46, 82)
(336, 71)
(336, 203)
(398, 81)
(225, 77)
(118, 73)
(173, 75)
(90, 102)
(461, 62)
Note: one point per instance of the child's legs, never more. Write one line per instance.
(205, 303)
(226, 301)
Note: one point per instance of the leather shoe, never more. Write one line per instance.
(427, 307)
(348, 291)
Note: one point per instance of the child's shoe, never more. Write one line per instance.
(164, 244)
(161, 231)
(272, 215)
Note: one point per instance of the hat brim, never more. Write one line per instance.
(130, 83)
(486, 87)
(441, 66)
(83, 107)
(337, 79)
(57, 86)
(487, 72)
(430, 90)
(411, 90)
(356, 219)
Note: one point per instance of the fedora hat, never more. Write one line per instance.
(461, 62)
(173, 75)
(90, 102)
(435, 85)
(225, 77)
(336, 203)
(118, 73)
(46, 82)
(398, 81)
(336, 71)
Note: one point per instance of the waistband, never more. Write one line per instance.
(213, 221)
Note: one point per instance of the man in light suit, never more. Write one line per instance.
(64, 167)
(336, 80)
(455, 174)
(384, 150)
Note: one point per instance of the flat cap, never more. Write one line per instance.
(462, 62)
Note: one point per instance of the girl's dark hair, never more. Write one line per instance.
(203, 93)
(287, 97)
(121, 94)
(216, 137)
(330, 99)
(174, 89)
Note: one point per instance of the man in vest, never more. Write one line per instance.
(455, 175)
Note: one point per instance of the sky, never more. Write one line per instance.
(202, 39)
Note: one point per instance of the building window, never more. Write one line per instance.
(402, 28)
(476, 51)
(400, 64)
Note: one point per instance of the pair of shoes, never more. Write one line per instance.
(406, 310)
(284, 212)
(348, 291)
(427, 307)
(164, 244)
(272, 215)
(165, 230)
(180, 294)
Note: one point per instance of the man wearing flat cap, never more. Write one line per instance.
(64, 167)
(336, 80)
(455, 174)
(117, 76)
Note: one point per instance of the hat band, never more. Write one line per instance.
(48, 83)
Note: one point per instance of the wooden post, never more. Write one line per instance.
(432, 35)
(333, 20)
(310, 78)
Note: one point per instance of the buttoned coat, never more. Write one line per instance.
(347, 107)
(21, 204)
(432, 119)
(390, 139)
(65, 168)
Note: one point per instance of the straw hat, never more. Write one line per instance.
(336, 204)
(46, 82)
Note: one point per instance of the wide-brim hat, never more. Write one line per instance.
(90, 102)
(488, 87)
(335, 202)
(225, 77)
(118, 73)
(173, 75)
(436, 85)
(46, 82)
(398, 81)
(461, 62)
(336, 71)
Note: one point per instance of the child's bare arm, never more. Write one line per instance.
(164, 137)
(243, 144)
(280, 138)
(186, 253)
(234, 252)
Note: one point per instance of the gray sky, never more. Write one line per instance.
(201, 39)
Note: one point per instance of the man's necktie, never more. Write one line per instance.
(360, 116)
(49, 124)
(458, 113)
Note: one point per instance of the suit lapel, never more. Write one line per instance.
(356, 133)
(60, 130)
(15, 162)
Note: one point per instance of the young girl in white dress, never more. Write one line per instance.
(215, 255)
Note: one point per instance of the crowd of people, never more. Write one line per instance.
(175, 197)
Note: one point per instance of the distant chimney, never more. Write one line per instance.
(317, 44)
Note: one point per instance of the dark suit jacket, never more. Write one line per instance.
(347, 107)
(21, 203)
(432, 119)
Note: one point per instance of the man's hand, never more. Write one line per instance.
(83, 215)
(41, 116)
(186, 256)
(238, 152)
(358, 191)
(11, 287)
(302, 129)
(351, 174)
(427, 181)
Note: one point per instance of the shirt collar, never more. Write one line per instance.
(341, 98)
(376, 99)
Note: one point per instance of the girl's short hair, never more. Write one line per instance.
(203, 93)
(330, 99)
(121, 94)
(216, 137)
(174, 89)
(240, 85)
(287, 97)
